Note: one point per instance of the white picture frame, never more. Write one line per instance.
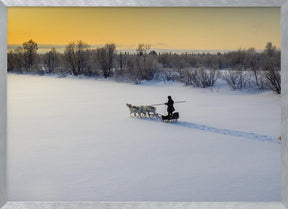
(283, 4)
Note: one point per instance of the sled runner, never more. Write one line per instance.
(173, 118)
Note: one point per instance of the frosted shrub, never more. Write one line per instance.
(273, 79)
(167, 75)
(200, 77)
(236, 78)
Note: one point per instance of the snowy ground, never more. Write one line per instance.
(73, 140)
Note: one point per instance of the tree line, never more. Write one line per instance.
(240, 69)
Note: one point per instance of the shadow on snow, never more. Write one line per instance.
(247, 135)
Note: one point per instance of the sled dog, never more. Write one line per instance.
(137, 110)
(150, 109)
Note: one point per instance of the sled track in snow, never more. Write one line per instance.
(242, 134)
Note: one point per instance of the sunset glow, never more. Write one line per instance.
(163, 28)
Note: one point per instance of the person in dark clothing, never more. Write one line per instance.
(170, 108)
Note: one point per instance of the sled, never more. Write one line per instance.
(138, 111)
(173, 118)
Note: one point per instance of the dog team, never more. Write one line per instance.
(142, 111)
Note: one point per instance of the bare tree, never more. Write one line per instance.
(15, 60)
(146, 65)
(121, 64)
(103, 62)
(82, 57)
(30, 52)
(51, 59)
(111, 51)
(106, 57)
(77, 56)
(273, 77)
(130, 70)
(272, 68)
(121, 61)
(252, 62)
(70, 57)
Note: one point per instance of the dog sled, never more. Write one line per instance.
(150, 113)
(170, 118)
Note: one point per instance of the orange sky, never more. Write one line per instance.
(164, 28)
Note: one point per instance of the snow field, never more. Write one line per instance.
(73, 140)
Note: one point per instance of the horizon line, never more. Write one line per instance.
(43, 48)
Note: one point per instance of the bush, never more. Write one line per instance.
(200, 77)
(236, 78)
(273, 79)
(167, 75)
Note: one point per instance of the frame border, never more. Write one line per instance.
(283, 4)
(3, 104)
(284, 101)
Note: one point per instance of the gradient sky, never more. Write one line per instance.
(163, 28)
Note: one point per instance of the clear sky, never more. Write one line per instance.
(163, 28)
